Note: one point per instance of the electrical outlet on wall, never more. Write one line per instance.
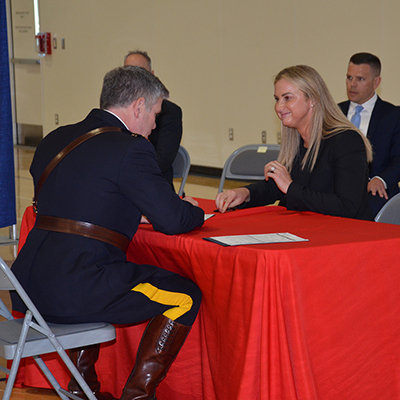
(278, 137)
(263, 136)
(230, 133)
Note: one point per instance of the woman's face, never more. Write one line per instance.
(292, 106)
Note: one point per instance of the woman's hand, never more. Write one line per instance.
(231, 198)
(279, 174)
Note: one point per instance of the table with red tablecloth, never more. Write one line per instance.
(313, 320)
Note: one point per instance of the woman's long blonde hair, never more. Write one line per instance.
(327, 118)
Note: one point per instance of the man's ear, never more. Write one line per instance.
(138, 106)
(377, 82)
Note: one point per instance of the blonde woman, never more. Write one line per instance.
(323, 163)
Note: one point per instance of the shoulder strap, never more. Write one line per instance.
(63, 153)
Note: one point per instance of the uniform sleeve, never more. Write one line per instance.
(140, 179)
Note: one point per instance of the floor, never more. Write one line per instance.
(196, 186)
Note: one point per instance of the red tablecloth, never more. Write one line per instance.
(315, 320)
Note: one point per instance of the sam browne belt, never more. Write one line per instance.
(86, 229)
(64, 225)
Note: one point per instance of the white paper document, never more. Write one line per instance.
(237, 240)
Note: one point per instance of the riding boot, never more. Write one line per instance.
(84, 359)
(160, 344)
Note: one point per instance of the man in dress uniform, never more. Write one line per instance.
(89, 205)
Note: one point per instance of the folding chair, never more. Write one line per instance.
(11, 238)
(32, 336)
(181, 167)
(390, 212)
(247, 163)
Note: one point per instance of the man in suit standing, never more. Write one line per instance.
(379, 121)
(167, 135)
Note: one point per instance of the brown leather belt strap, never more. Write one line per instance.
(85, 229)
(64, 152)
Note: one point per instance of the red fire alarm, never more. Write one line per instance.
(43, 43)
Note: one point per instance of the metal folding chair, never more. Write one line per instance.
(247, 163)
(32, 336)
(11, 238)
(390, 212)
(181, 167)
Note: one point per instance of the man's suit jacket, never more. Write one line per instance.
(166, 137)
(336, 186)
(110, 180)
(384, 135)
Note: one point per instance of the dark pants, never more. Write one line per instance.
(164, 292)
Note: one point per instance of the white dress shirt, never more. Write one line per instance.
(365, 113)
(365, 118)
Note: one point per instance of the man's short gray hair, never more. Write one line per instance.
(140, 53)
(123, 85)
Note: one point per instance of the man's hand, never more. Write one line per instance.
(377, 187)
(191, 200)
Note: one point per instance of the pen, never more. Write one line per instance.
(227, 210)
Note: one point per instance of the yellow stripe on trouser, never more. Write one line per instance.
(182, 302)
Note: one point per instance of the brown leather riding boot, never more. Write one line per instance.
(84, 359)
(158, 348)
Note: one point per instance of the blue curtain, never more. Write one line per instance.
(7, 178)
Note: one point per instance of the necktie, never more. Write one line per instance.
(356, 118)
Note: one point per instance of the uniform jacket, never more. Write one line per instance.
(110, 180)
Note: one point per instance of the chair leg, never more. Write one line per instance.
(17, 358)
(158, 348)
(50, 377)
(84, 359)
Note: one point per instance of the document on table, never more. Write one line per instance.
(238, 240)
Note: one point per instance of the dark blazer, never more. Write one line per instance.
(110, 180)
(166, 137)
(384, 135)
(336, 186)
